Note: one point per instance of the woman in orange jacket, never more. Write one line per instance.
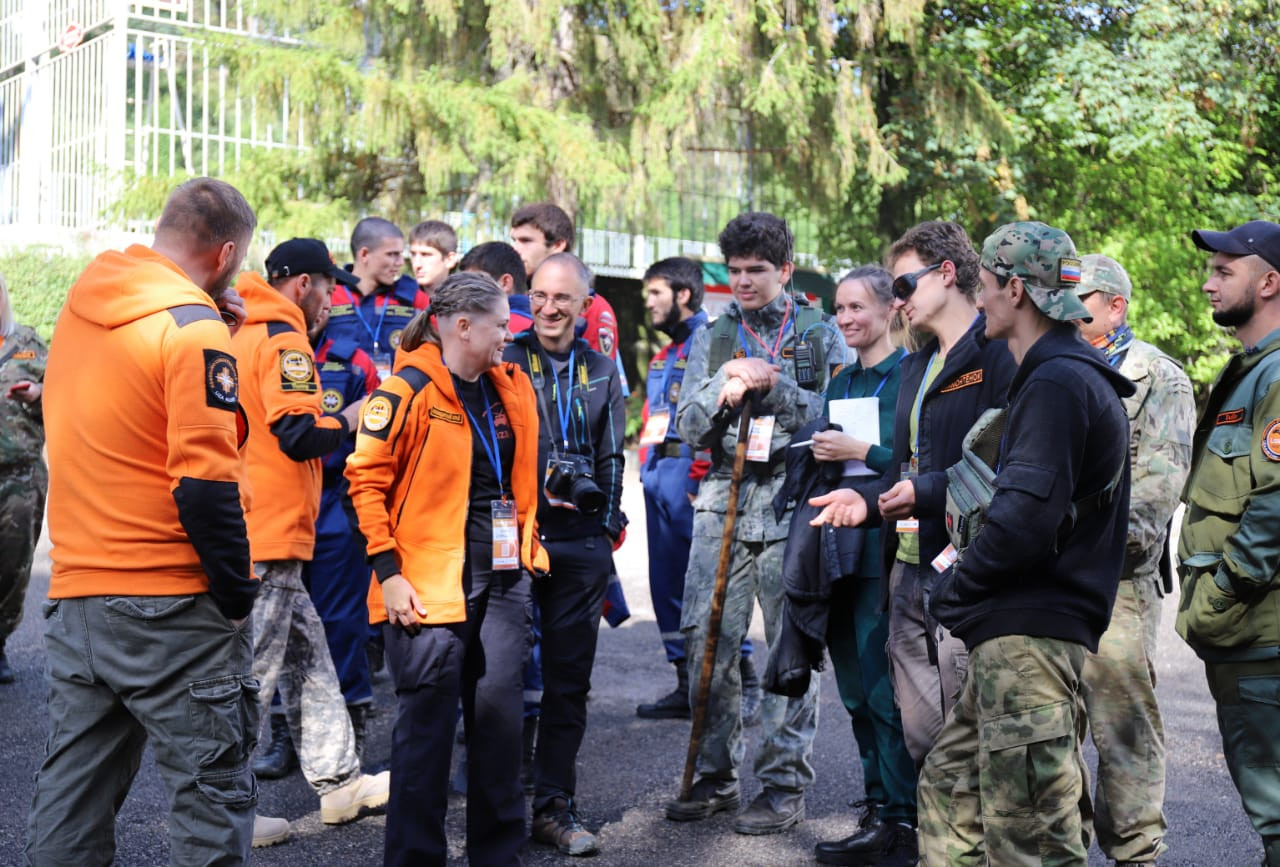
(445, 483)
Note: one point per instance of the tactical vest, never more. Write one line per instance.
(971, 482)
(724, 337)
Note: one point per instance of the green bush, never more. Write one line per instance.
(38, 278)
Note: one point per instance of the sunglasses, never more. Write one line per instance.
(905, 286)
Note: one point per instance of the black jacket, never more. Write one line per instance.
(1037, 568)
(974, 378)
(597, 425)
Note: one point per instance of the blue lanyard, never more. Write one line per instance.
(567, 408)
(355, 308)
(671, 365)
(493, 452)
(848, 384)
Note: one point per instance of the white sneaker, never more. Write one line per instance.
(364, 792)
(268, 831)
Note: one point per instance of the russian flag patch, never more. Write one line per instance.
(1069, 270)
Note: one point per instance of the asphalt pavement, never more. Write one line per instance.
(628, 767)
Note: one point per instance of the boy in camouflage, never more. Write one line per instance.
(1005, 780)
(1119, 680)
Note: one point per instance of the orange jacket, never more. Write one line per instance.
(141, 420)
(411, 478)
(280, 393)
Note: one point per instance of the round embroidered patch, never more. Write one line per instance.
(1271, 440)
(331, 400)
(295, 366)
(377, 413)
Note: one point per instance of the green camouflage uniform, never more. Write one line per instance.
(1229, 552)
(1119, 680)
(788, 725)
(1005, 782)
(23, 477)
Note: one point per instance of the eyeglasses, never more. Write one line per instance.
(561, 302)
(905, 286)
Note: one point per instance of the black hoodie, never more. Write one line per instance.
(1035, 570)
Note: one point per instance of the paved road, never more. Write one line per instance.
(628, 767)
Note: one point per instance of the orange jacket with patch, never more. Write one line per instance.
(411, 479)
(288, 430)
(141, 421)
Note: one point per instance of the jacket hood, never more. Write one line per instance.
(119, 287)
(1064, 341)
(263, 303)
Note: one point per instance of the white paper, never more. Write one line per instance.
(859, 417)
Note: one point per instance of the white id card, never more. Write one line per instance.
(382, 361)
(909, 525)
(506, 535)
(759, 435)
(655, 429)
(946, 559)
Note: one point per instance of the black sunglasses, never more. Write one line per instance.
(905, 286)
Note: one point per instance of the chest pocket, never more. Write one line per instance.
(1224, 478)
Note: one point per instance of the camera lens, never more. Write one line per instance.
(589, 499)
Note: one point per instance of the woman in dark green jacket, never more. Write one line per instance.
(857, 630)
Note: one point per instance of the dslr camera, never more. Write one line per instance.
(571, 478)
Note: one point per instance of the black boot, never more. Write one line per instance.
(751, 694)
(279, 757)
(359, 714)
(527, 780)
(864, 845)
(673, 705)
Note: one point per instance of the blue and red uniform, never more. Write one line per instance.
(375, 321)
(338, 576)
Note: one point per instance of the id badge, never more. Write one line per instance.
(946, 559)
(506, 535)
(909, 525)
(759, 435)
(655, 429)
(382, 361)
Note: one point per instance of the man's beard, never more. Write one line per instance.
(668, 324)
(1234, 317)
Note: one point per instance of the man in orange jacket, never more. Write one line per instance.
(150, 590)
(288, 434)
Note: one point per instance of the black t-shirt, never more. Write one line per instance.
(481, 401)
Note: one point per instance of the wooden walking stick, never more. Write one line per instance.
(717, 600)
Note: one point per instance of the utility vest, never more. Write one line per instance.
(724, 340)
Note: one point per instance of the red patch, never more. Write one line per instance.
(1231, 416)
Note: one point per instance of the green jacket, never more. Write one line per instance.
(1229, 548)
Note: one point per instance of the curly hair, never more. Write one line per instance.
(937, 241)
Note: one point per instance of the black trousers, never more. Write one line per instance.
(480, 662)
(571, 600)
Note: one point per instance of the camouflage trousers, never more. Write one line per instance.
(1005, 783)
(22, 493)
(788, 725)
(1119, 689)
(290, 652)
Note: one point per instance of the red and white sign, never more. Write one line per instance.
(71, 37)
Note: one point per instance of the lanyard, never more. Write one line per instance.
(567, 408)
(671, 365)
(920, 398)
(777, 344)
(849, 382)
(355, 308)
(493, 452)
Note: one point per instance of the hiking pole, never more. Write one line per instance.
(717, 600)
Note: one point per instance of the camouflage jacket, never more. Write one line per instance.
(700, 422)
(23, 355)
(1162, 418)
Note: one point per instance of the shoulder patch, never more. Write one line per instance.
(1271, 440)
(606, 340)
(1230, 416)
(297, 371)
(221, 382)
(375, 418)
(444, 415)
(24, 355)
(964, 380)
(331, 401)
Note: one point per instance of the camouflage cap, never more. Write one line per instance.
(1045, 258)
(1100, 273)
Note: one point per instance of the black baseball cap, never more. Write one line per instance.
(306, 256)
(1256, 238)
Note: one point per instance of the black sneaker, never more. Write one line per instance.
(557, 824)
